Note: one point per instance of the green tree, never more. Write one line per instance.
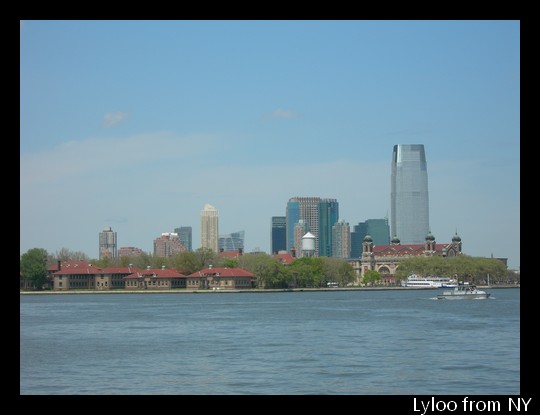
(471, 269)
(309, 272)
(371, 277)
(230, 262)
(64, 254)
(206, 257)
(338, 270)
(33, 266)
(186, 263)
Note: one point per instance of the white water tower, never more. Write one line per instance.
(308, 245)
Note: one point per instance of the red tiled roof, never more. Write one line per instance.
(223, 272)
(79, 268)
(412, 249)
(67, 264)
(156, 273)
(120, 270)
(284, 258)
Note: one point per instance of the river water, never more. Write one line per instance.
(389, 342)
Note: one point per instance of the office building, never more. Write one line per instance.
(409, 200)
(328, 217)
(232, 242)
(185, 234)
(378, 229)
(278, 234)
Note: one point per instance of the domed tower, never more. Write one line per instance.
(308, 245)
(395, 240)
(456, 242)
(430, 243)
(367, 246)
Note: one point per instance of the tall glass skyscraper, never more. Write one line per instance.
(328, 217)
(409, 202)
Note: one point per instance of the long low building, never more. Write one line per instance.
(79, 275)
(155, 279)
(220, 279)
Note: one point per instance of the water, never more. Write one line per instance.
(400, 342)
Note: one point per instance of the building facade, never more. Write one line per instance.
(378, 229)
(108, 244)
(209, 228)
(231, 242)
(185, 233)
(341, 240)
(328, 217)
(168, 244)
(220, 279)
(409, 201)
(385, 259)
(129, 251)
(278, 235)
(300, 229)
(155, 279)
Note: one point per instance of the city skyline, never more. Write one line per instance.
(137, 124)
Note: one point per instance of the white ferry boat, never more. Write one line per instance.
(416, 281)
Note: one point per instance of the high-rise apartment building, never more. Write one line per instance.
(341, 240)
(185, 234)
(168, 244)
(107, 244)
(319, 215)
(209, 227)
(409, 201)
(278, 234)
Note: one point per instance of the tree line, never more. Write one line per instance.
(270, 272)
(307, 272)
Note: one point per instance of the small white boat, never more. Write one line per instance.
(464, 291)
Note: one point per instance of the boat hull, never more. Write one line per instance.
(463, 296)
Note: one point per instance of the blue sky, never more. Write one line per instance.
(137, 124)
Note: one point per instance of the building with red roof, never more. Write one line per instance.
(155, 279)
(220, 278)
(284, 257)
(72, 275)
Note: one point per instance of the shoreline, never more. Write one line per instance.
(248, 290)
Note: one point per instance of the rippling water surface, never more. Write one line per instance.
(294, 343)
